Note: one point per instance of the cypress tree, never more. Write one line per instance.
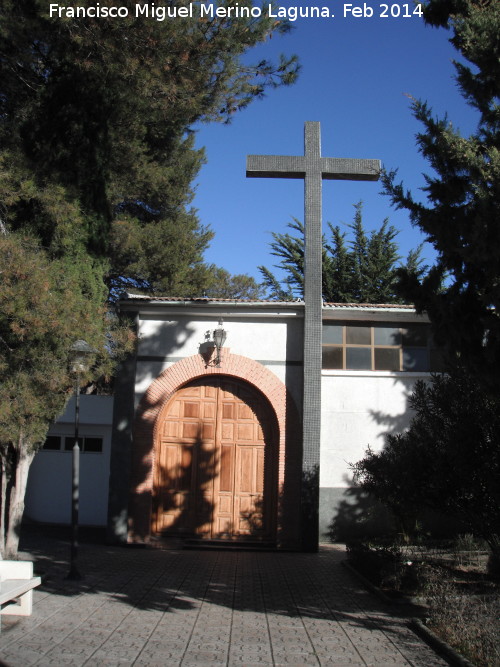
(366, 270)
(461, 217)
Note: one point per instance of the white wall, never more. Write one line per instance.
(358, 409)
(183, 336)
(48, 496)
(270, 341)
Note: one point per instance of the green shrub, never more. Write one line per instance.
(447, 461)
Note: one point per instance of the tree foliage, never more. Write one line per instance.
(45, 305)
(103, 109)
(447, 461)
(461, 217)
(365, 270)
(223, 285)
(97, 158)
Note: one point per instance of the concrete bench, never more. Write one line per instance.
(16, 587)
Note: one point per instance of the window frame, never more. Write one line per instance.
(63, 437)
(402, 349)
(82, 440)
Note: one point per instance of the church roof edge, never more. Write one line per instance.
(369, 306)
(205, 300)
(264, 302)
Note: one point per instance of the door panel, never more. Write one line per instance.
(216, 455)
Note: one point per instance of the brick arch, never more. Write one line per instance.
(159, 393)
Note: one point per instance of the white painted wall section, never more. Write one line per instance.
(182, 337)
(358, 409)
(162, 342)
(48, 495)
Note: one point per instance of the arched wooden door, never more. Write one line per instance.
(216, 460)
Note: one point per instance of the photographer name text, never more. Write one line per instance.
(213, 11)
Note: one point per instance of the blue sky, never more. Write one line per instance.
(356, 76)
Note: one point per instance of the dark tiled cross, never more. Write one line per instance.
(313, 169)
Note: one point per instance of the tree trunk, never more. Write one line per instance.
(16, 498)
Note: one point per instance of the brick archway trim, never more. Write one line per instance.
(159, 393)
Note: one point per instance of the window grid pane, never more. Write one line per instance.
(379, 347)
(387, 359)
(415, 335)
(93, 445)
(69, 443)
(358, 335)
(386, 335)
(333, 357)
(52, 443)
(415, 359)
(333, 333)
(358, 358)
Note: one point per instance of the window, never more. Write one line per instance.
(87, 444)
(383, 346)
(52, 443)
(92, 445)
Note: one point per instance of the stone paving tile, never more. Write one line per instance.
(149, 607)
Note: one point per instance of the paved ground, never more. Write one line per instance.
(153, 607)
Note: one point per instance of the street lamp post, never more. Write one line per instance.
(80, 352)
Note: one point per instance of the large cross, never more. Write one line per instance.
(313, 169)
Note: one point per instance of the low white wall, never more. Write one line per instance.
(48, 495)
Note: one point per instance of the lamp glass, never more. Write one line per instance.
(80, 352)
(219, 338)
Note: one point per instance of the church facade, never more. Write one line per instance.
(239, 420)
(207, 440)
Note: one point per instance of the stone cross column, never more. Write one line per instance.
(313, 169)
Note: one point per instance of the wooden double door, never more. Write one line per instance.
(216, 461)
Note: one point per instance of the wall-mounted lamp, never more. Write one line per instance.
(219, 336)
